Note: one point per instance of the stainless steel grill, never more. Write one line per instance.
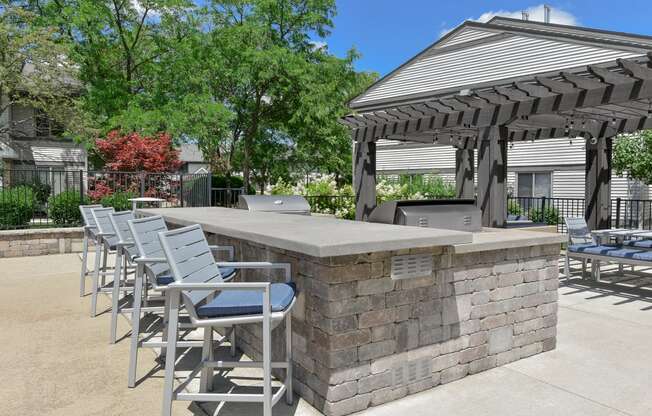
(284, 204)
(450, 214)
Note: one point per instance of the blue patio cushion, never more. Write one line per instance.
(166, 279)
(248, 302)
(612, 251)
(639, 243)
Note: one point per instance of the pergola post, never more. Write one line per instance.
(364, 179)
(492, 176)
(464, 172)
(598, 183)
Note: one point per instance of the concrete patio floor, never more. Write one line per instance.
(56, 360)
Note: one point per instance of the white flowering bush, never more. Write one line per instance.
(326, 197)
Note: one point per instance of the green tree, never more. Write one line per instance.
(244, 79)
(273, 77)
(632, 154)
(35, 71)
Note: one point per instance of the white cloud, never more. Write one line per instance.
(318, 44)
(557, 15)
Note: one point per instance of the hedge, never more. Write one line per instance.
(17, 206)
(118, 200)
(63, 208)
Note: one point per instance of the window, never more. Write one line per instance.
(534, 184)
(47, 127)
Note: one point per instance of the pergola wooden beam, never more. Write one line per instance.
(624, 82)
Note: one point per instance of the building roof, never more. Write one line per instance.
(190, 153)
(518, 79)
(505, 49)
(43, 152)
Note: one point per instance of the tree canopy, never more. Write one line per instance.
(632, 154)
(34, 72)
(249, 81)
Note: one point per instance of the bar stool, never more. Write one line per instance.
(212, 303)
(89, 229)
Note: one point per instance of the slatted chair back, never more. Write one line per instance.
(191, 261)
(145, 234)
(120, 221)
(101, 216)
(87, 214)
(578, 231)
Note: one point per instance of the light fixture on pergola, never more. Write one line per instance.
(596, 101)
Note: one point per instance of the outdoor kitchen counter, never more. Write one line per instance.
(311, 235)
(326, 236)
(384, 311)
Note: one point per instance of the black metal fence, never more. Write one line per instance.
(225, 197)
(37, 198)
(625, 213)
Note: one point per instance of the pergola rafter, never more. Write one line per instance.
(618, 92)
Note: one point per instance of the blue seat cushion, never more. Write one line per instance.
(248, 302)
(612, 251)
(164, 279)
(638, 243)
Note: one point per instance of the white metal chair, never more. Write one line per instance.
(212, 303)
(126, 253)
(152, 272)
(582, 245)
(90, 229)
(105, 244)
(578, 235)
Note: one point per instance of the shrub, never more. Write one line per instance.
(514, 208)
(281, 188)
(118, 200)
(64, 208)
(549, 216)
(16, 206)
(219, 181)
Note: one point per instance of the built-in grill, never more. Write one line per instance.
(450, 214)
(284, 204)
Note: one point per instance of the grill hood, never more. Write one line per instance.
(286, 204)
(450, 214)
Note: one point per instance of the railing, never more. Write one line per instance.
(28, 197)
(544, 210)
(40, 197)
(225, 197)
(625, 213)
(631, 213)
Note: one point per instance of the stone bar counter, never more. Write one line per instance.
(385, 310)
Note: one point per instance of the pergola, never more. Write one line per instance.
(485, 85)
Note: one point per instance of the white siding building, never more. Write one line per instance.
(552, 168)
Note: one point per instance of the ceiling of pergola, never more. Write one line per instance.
(593, 101)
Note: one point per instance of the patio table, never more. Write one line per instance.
(135, 201)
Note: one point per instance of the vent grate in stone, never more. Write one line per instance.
(408, 372)
(409, 266)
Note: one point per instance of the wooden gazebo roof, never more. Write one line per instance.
(596, 100)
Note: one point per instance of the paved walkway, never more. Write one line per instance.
(56, 360)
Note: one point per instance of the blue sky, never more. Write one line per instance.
(389, 32)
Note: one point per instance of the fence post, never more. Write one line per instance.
(618, 212)
(142, 184)
(543, 210)
(181, 188)
(81, 186)
(210, 189)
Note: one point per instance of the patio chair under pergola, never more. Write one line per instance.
(484, 85)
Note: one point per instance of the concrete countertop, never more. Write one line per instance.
(506, 238)
(320, 236)
(312, 235)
